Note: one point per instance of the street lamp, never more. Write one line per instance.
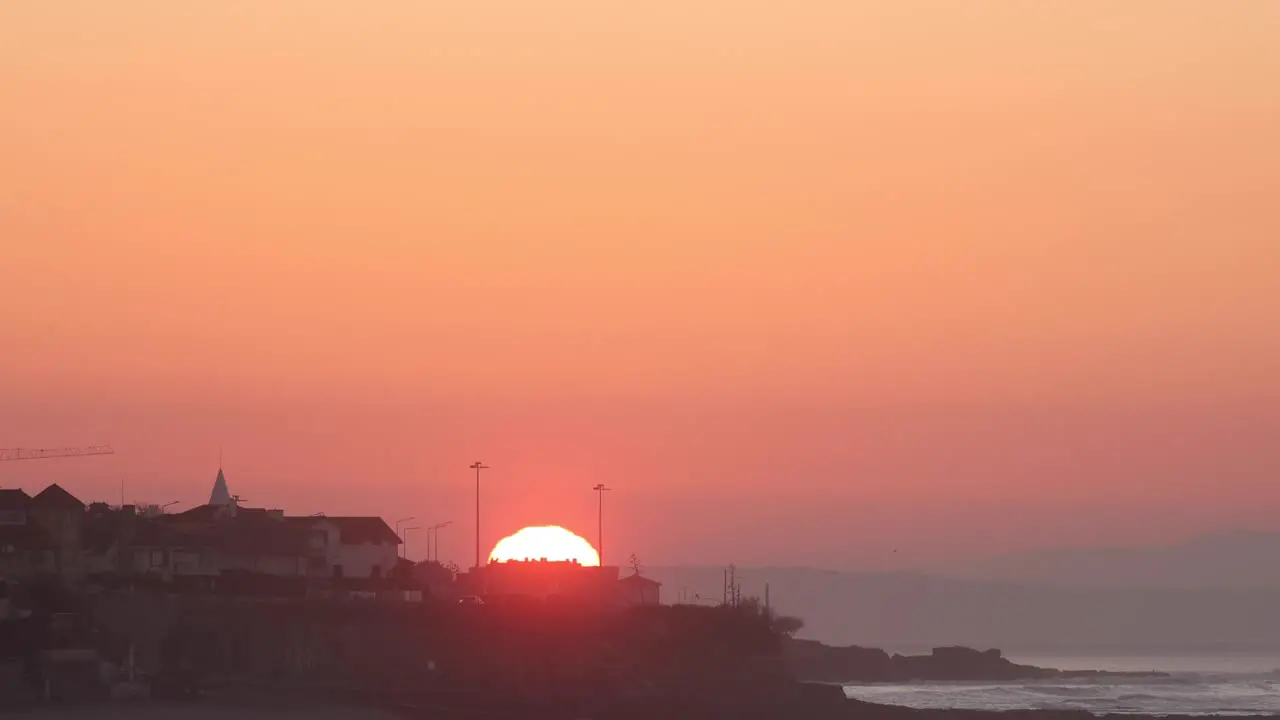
(600, 491)
(435, 529)
(406, 539)
(398, 523)
(478, 466)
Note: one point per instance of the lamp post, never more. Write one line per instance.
(435, 529)
(398, 523)
(478, 466)
(406, 539)
(600, 491)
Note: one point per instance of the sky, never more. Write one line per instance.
(831, 282)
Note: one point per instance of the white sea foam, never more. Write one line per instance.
(1186, 693)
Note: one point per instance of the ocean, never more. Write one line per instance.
(1225, 685)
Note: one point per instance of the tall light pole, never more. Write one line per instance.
(600, 491)
(406, 539)
(478, 466)
(435, 529)
(398, 523)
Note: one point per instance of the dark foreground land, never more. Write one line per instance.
(289, 708)
(207, 657)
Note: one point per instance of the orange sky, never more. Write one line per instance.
(803, 280)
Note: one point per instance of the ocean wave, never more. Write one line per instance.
(1154, 696)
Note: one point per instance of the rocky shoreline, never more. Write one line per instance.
(812, 661)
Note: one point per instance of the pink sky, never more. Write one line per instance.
(806, 282)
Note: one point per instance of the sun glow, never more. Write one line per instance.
(548, 542)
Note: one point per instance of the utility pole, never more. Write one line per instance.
(406, 539)
(478, 466)
(403, 549)
(600, 491)
(435, 529)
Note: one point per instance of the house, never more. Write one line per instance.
(25, 549)
(153, 548)
(253, 540)
(41, 534)
(105, 533)
(350, 547)
(13, 507)
(260, 541)
(222, 536)
(60, 515)
(636, 589)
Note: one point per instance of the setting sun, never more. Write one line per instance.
(549, 542)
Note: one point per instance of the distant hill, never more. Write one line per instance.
(921, 610)
(1238, 559)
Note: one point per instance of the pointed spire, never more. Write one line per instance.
(221, 495)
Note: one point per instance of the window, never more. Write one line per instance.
(157, 558)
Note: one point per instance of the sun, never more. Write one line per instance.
(546, 542)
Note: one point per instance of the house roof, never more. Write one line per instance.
(354, 530)
(199, 513)
(258, 537)
(55, 497)
(357, 530)
(14, 499)
(220, 495)
(638, 579)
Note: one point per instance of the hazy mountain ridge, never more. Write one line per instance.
(1198, 595)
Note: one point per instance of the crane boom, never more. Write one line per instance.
(41, 454)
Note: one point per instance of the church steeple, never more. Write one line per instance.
(221, 495)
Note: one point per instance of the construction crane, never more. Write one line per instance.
(30, 454)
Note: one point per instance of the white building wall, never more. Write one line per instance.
(358, 560)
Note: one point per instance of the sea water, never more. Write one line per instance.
(1236, 685)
